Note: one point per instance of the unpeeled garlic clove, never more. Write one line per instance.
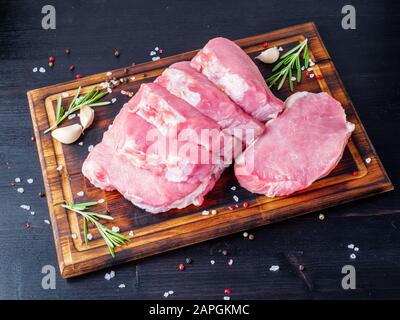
(86, 116)
(270, 55)
(68, 134)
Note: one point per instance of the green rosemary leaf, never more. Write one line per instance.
(85, 229)
(282, 80)
(290, 80)
(298, 68)
(60, 109)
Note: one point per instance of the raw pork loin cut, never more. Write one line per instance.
(232, 70)
(302, 145)
(183, 81)
(133, 159)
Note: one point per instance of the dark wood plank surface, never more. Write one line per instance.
(321, 246)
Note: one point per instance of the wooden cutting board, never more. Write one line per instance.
(352, 179)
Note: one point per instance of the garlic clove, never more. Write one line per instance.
(68, 134)
(270, 55)
(86, 116)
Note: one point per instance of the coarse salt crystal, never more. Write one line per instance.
(59, 168)
(214, 212)
(42, 70)
(155, 58)
(156, 48)
(80, 193)
(205, 212)
(81, 143)
(153, 53)
(20, 190)
(30, 180)
(121, 286)
(353, 256)
(115, 229)
(293, 78)
(227, 298)
(130, 233)
(25, 207)
(46, 221)
(90, 148)
(32, 213)
(233, 188)
(65, 94)
(107, 276)
(73, 235)
(368, 160)
(71, 116)
(280, 49)
(303, 68)
(350, 246)
(17, 179)
(236, 198)
(356, 249)
(212, 261)
(310, 69)
(100, 201)
(230, 262)
(109, 73)
(35, 69)
(113, 100)
(312, 75)
(133, 78)
(312, 63)
(274, 268)
(109, 90)
(112, 274)
(170, 292)
(166, 294)
(89, 236)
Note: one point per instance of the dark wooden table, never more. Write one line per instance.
(366, 58)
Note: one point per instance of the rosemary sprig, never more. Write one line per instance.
(287, 63)
(111, 238)
(78, 102)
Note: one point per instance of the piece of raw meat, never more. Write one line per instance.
(232, 70)
(186, 83)
(302, 145)
(155, 171)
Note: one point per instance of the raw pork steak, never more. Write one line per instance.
(232, 70)
(302, 145)
(183, 81)
(137, 159)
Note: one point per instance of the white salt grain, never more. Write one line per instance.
(350, 246)
(165, 294)
(170, 292)
(303, 68)
(213, 212)
(25, 207)
(133, 78)
(32, 213)
(35, 69)
(153, 53)
(73, 235)
(121, 286)
(156, 48)
(233, 188)
(81, 143)
(100, 201)
(46, 221)
(230, 262)
(212, 262)
(236, 198)
(30, 180)
(65, 94)
(353, 256)
(205, 212)
(107, 276)
(42, 70)
(59, 168)
(90, 148)
(20, 190)
(17, 179)
(293, 78)
(280, 49)
(115, 229)
(130, 233)
(155, 58)
(274, 268)
(109, 90)
(89, 236)
(368, 160)
(356, 249)
(71, 116)
(312, 75)
(80, 193)
(112, 274)
(227, 298)
(109, 73)
(113, 100)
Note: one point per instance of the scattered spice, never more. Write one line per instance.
(301, 267)
(71, 68)
(161, 51)
(181, 267)
(188, 260)
(318, 76)
(355, 173)
(227, 291)
(245, 234)
(78, 76)
(274, 268)
(33, 138)
(52, 59)
(67, 51)
(41, 194)
(116, 53)
(321, 216)
(251, 236)
(353, 256)
(225, 252)
(245, 205)
(230, 262)
(51, 64)
(27, 226)
(265, 44)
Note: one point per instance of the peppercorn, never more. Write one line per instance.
(181, 267)
(41, 194)
(27, 225)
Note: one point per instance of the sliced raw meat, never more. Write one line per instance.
(156, 172)
(302, 145)
(232, 70)
(186, 83)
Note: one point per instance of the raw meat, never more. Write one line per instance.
(183, 81)
(141, 158)
(302, 145)
(232, 70)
